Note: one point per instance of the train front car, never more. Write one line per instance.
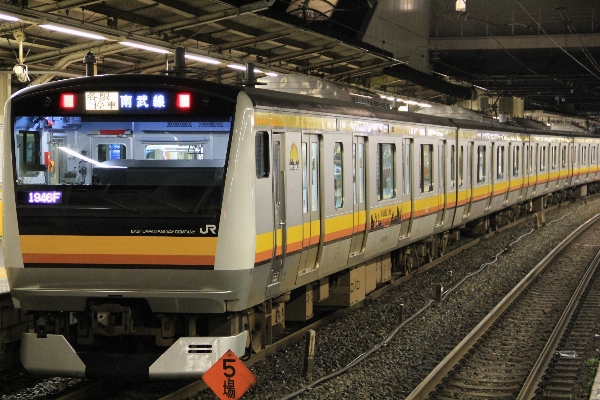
(119, 214)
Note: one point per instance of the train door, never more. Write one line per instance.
(407, 181)
(573, 169)
(311, 217)
(279, 215)
(30, 158)
(105, 148)
(545, 164)
(359, 195)
(57, 164)
(494, 169)
(482, 176)
(525, 171)
(584, 162)
(509, 171)
(564, 166)
(470, 149)
(442, 189)
(287, 212)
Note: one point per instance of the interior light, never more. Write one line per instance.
(72, 31)
(8, 18)
(184, 101)
(67, 100)
(271, 73)
(144, 47)
(424, 105)
(202, 59)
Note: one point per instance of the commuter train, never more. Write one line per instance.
(152, 223)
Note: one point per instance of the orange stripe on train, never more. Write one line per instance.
(110, 259)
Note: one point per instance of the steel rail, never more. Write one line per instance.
(436, 376)
(538, 370)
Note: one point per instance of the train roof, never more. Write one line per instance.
(287, 101)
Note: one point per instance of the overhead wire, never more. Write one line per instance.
(573, 31)
(554, 41)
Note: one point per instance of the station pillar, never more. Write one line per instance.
(5, 93)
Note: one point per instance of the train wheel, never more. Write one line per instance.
(256, 341)
(253, 341)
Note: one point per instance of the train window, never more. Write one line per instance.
(563, 157)
(113, 151)
(452, 167)
(543, 158)
(426, 168)
(593, 162)
(500, 162)
(314, 178)
(515, 161)
(583, 155)
(385, 171)
(261, 151)
(361, 173)
(304, 177)
(530, 159)
(554, 157)
(481, 167)
(276, 173)
(460, 165)
(338, 175)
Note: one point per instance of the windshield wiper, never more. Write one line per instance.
(111, 201)
(208, 191)
(183, 210)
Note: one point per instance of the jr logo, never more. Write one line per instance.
(209, 228)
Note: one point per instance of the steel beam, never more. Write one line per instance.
(514, 42)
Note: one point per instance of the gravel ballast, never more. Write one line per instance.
(395, 369)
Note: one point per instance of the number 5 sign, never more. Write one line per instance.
(229, 378)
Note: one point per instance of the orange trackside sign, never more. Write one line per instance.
(229, 378)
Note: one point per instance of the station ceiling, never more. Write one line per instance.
(543, 51)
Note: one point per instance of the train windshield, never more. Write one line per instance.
(136, 164)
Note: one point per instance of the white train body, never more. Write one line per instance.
(150, 238)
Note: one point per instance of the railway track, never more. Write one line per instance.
(526, 341)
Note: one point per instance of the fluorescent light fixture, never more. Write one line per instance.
(425, 105)
(202, 59)
(84, 158)
(144, 47)
(271, 73)
(72, 31)
(8, 18)
(410, 102)
(242, 68)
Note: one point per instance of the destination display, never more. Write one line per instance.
(126, 101)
